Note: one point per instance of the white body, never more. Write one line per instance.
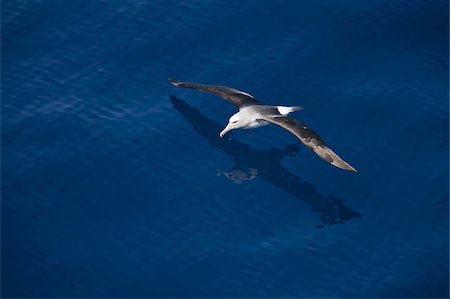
(250, 117)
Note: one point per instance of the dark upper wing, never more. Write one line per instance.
(310, 139)
(236, 97)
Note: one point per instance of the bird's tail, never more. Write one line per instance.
(284, 110)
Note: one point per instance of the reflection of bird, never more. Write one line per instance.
(239, 175)
(266, 165)
(252, 114)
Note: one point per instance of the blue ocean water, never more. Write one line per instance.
(116, 184)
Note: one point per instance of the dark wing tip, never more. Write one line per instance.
(343, 165)
(327, 154)
(175, 82)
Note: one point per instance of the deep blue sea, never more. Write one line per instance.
(114, 183)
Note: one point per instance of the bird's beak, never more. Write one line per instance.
(227, 128)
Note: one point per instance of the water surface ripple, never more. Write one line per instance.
(116, 184)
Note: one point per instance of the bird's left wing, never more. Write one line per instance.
(310, 139)
(238, 98)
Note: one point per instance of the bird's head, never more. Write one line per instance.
(233, 123)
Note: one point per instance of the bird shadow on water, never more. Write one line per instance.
(265, 164)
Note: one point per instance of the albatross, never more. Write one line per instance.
(253, 114)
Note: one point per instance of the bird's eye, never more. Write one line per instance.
(234, 121)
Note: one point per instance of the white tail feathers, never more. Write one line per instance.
(286, 110)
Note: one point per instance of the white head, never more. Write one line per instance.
(234, 122)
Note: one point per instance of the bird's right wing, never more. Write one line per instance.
(310, 139)
(238, 98)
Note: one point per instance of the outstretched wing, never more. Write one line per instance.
(238, 98)
(310, 139)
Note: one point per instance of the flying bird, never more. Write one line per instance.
(253, 114)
